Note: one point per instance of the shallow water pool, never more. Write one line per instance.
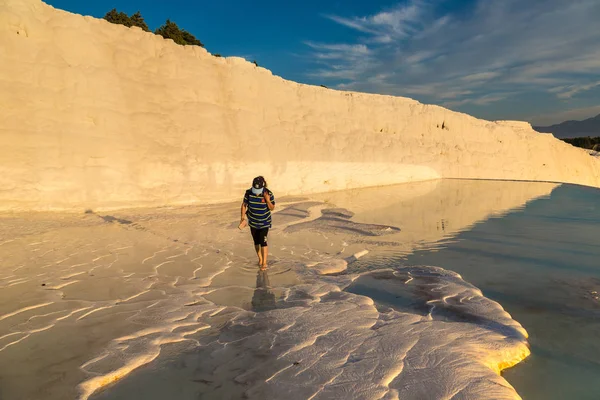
(170, 304)
(541, 262)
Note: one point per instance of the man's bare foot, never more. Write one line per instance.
(260, 263)
(263, 267)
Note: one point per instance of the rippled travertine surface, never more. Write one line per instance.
(169, 302)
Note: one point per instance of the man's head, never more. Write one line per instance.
(258, 185)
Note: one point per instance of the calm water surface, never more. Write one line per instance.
(540, 261)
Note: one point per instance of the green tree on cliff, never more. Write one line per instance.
(121, 18)
(138, 20)
(117, 17)
(170, 30)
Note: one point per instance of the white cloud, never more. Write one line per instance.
(418, 57)
(479, 101)
(347, 50)
(481, 76)
(398, 22)
(342, 61)
(567, 92)
(489, 99)
(358, 24)
(481, 56)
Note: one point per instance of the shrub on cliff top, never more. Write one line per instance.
(170, 30)
(121, 18)
(138, 20)
(116, 17)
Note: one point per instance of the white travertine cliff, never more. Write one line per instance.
(96, 115)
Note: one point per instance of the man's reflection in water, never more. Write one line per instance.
(263, 299)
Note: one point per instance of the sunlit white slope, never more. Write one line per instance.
(96, 115)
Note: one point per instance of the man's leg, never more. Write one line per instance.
(264, 248)
(264, 253)
(256, 238)
(259, 254)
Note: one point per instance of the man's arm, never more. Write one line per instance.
(267, 195)
(243, 222)
(244, 210)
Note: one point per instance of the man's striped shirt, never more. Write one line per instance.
(259, 215)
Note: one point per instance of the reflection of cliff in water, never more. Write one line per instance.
(263, 299)
(430, 211)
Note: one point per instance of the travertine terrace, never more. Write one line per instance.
(95, 115)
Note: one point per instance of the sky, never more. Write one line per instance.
(531, 60)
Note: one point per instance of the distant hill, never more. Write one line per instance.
(572, 129)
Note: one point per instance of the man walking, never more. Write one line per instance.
(257, 206)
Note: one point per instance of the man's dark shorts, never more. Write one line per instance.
(259, 236)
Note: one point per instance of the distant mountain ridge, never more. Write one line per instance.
(572, 129)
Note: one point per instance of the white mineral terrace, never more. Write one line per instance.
(97, 115)
(169, 301)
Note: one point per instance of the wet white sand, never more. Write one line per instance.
(168, 302)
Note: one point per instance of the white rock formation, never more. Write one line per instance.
(96, 115)
(86, 299)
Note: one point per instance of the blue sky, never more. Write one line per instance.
(533, 60)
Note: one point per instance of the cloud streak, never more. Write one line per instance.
(492, 52)
(386, 26)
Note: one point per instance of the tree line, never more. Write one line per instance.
(591, 143)
(169, 30)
